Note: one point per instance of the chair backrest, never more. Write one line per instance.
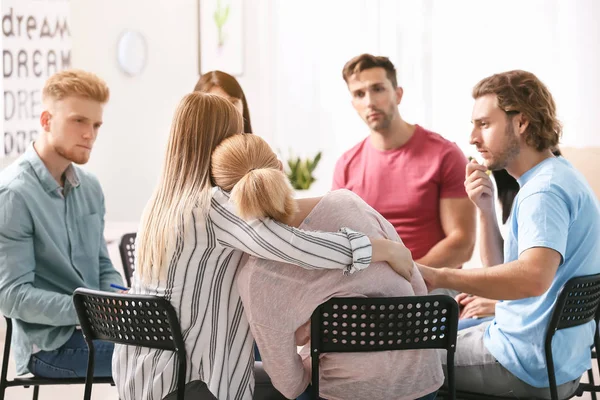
(577, 304)
(137, 320)
(351, 324)
(127, 250)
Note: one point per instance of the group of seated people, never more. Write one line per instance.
(245, 263)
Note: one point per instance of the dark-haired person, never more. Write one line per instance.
(410, 175)
(224, 85)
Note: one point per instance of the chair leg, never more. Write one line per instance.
(89, 377)
(36, 392)
(2, 391)
(590, 374)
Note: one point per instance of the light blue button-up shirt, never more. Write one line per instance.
(51, 242)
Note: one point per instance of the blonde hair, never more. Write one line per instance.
(246, 166)
(200, 123)
(74, 82)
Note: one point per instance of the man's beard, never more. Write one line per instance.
(512, 150)
(72, 155)
(385, 123)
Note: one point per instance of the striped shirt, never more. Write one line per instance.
(200, 284)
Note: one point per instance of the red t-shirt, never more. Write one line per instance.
(406, 184)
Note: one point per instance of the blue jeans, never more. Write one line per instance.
(70, 360)
(256, 353)
(469, 322)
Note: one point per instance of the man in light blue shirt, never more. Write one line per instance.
(553, 236)
(51, 232)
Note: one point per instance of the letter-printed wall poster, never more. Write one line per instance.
(36, 43)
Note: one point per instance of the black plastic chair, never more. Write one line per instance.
(576, 305)
(34, 381)
(135, 320)
(351, 324)
(590, 372)
(127, 250)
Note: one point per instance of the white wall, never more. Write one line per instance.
(551, 38)
(129, 150)
(128, 155)
(294, 54)
(483, 39)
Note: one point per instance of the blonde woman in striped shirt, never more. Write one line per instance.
(190, 244)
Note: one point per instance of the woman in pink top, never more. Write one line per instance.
(279, 298)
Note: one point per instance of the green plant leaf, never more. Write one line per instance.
(312, 165)
(226, 14)
(300, 171)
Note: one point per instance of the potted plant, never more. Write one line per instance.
(300, 172)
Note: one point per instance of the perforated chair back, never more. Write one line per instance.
(34, 381)
(127, 251)
(351, 324)
(136, 320)
(576, 305)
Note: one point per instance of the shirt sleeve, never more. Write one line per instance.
(543, 220)
(272, 240)
(18, 297)
(108, 273)
(281, 360)
(338, 175)
(452, 170)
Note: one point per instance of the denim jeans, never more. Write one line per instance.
(70, 360)
(430, 396)
(256, 353)
(469, 322)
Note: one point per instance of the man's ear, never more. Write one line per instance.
(399, 94)
(522, 123)
(45, 120)
(280, 165)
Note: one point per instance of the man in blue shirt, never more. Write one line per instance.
(553, 236)
(51, 232)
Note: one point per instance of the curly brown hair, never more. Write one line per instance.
(523, 92)
(368, 61)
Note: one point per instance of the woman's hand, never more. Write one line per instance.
(395, 254)
(475, 306)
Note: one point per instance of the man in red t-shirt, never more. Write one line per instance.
(413, 177)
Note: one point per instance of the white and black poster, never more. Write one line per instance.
(36, 43)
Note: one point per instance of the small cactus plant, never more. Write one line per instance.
(300, 171)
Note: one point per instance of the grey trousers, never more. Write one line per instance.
(477, 371)
(263, 389)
